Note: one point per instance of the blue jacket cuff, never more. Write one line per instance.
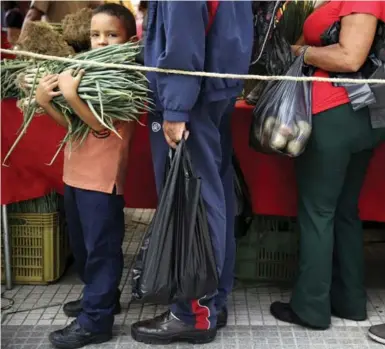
(175, 116)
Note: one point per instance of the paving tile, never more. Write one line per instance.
(19, 341)
(45, 346)
(13, 346)
(39, 333)
(31, 346)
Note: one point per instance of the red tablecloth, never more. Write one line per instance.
(5, 44)
(270, 178)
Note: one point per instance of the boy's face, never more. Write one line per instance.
(107, 30)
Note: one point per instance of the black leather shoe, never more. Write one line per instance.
(222, 318)
(166, 329)
(74, 336)
(283, 312)
(73, 309)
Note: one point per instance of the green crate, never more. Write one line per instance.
(39, 245)
(269, 251)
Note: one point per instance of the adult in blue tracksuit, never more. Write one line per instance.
(184, 35)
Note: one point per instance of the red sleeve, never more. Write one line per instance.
(375, 8)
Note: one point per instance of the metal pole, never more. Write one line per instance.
(7, 249)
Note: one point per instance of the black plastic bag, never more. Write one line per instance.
(271, 52)
(283, 117)
(264, 13)
(378, 48)
(273, 36)
(176, 261)
(360, 95)
(243, 212)
(277, 59)
(374, 68)
(331, 35)
(377, 110)
(255, 94)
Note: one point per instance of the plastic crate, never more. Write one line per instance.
(269, 251)
(39, 247)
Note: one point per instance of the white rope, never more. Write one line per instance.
(193, 73)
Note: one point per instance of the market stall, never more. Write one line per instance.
(270, 178)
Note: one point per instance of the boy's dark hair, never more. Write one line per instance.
(121, 12)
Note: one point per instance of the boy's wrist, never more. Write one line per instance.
(43, 104)
(70, 95)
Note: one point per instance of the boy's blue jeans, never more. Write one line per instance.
(96, 230)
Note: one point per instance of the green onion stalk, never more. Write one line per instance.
(9, 71)
(111, 94)
(45, 204)
(293, 19)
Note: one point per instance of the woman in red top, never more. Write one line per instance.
(331, 172)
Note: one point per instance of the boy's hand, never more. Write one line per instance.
(68, 84)
(45, 90)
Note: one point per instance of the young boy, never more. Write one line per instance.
(94, 175)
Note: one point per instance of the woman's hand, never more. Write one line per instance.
(296, 49)
(45, 90)
(68, 84)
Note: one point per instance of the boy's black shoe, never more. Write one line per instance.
(73, 309)
(166, 329)
(73, 336)
(222, 318)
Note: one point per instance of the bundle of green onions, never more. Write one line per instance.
(293, 19)
(9, 72)
(45, 204)
(111, 94)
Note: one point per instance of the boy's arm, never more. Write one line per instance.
(68, 85)
(44, 94)
(56, 115)
(82, 110)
